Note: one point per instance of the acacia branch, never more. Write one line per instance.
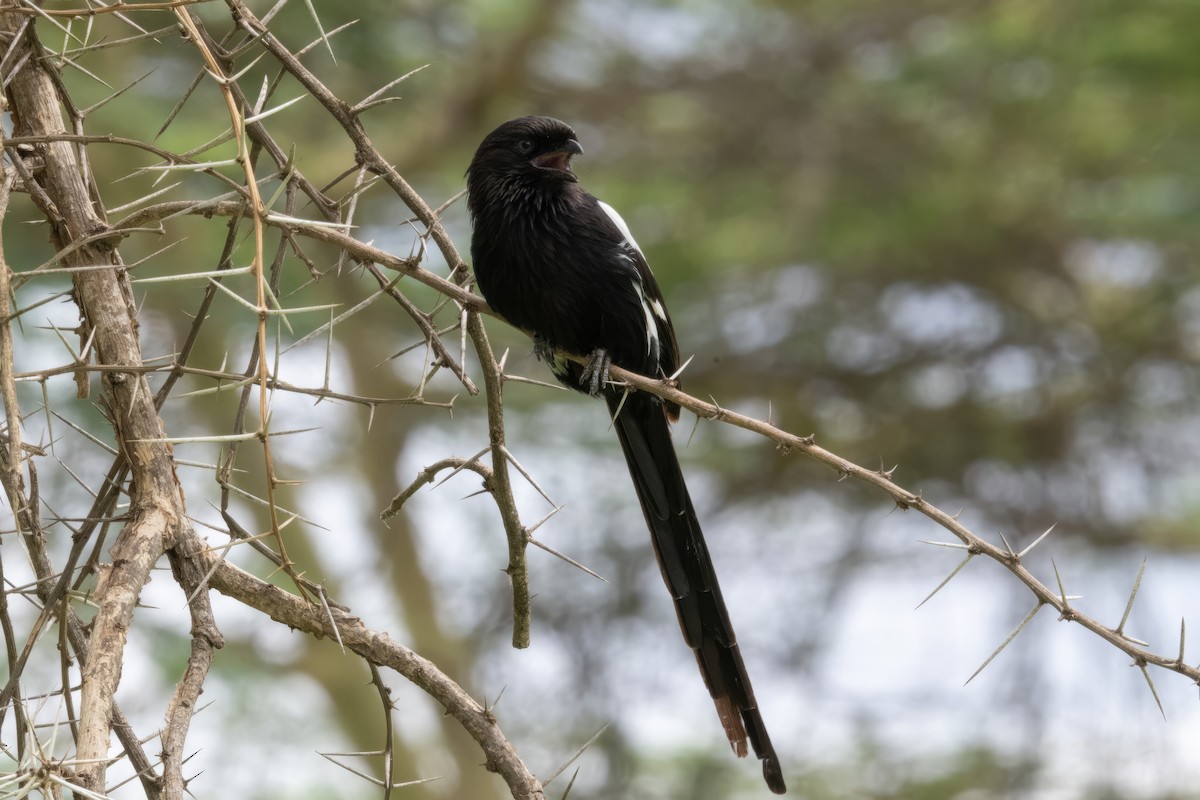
(369, 158)
(257, 212)
(788, 442)
(117, 7)
(379, 648)
(106, 304)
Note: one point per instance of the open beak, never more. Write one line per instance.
(559, 159)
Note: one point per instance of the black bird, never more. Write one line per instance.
(554, 260)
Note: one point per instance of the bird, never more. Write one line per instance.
(555, 261)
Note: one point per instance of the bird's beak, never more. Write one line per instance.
(559, 159)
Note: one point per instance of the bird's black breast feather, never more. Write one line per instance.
(567, 275)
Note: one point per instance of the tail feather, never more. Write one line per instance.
(688, 572)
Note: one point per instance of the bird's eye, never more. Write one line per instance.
(525, 146)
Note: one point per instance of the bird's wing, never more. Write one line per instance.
(660, 333)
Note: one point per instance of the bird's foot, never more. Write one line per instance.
(595, 372)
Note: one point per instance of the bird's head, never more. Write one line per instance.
(533, 150)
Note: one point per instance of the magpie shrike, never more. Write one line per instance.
(554, 260)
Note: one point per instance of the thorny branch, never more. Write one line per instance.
(379, 648)
(881, 479)
(51, 164)
(256, 213)
(86, 251)
(105, 298)
(369, 158)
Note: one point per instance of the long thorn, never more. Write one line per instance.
(1036, 542)
(1150, 682)
(947, 579)
(1062, 592)
(565, 558)
(1137, 582)
(576, 755)
(1004, 644)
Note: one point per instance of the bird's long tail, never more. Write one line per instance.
(688, 571)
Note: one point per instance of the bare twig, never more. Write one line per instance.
(379, 648)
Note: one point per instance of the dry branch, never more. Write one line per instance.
(905, 499)
(379, 648)
(60, 183)
(106, 304)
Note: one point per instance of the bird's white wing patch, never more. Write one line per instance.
(651, 308)
(651, 325)
(620, 223)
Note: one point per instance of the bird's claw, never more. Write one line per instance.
(542, 350)
(595, 372)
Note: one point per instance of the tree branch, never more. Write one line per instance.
(379, 648)
(106, 303)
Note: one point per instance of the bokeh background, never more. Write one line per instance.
(958, 238)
